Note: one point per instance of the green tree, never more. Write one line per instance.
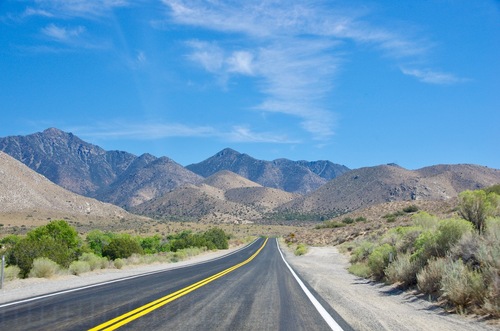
(57, 241)
(476, 206)
(122, 247)
(218, 237)
(97, 240)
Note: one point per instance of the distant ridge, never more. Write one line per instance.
(112, 176)
(369, 186)
(291, 176)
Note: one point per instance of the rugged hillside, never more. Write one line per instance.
(112, 176)
(373, 185)
(23, 191)
(222, 197)
(291, 176)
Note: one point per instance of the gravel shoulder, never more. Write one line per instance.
(366, 305)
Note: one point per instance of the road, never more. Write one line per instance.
(251, 289)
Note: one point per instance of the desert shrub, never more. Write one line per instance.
(466, 249)
(429, 278)
(118, 263)
(403, 270)
(301, 249)
(348, 220)
(410, 209)
(360, 270)
(94, 261)
(11, 272)
(122, 247)
(462, 286)
(362, 251)
(44, 268)
(79, 267)
(408, 236)
(437, 243)
(488, 256)
(330, 225)
(477, 206)
(425, 220)
(360, 219)
(379, 259)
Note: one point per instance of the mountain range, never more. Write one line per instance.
(231, 186)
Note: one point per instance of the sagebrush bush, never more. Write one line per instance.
(11, 272)
(379, 259)
(79, 267)
(44, 268)
(403, 270)
(429, 277)
(362, 251)
(425, 220)
(462, 286)
(118, 263)
(466, 249)
(94, 261)
(301, 249)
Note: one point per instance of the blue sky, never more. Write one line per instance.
(359, 83)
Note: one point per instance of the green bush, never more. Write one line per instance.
(218, 237)
(118, 263)
(360, 219)
(11, 272)
(425, 220)
(122, 247)
(94, 261)
(461, 286)
(437, 243)
(403, 270)
(79, 267)
(477, 206)
(97, 240)
(347, 220)
(301, 249)
(362, 251)
(410, 209)
(44, 268)
(379, 259)
(360, 270)
(429, 278)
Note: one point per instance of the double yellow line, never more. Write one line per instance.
(119, 321)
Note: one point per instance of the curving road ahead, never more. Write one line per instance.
(251, 289)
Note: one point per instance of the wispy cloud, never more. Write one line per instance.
(433, 77)
(155, 131)
(292, 49)
(63, 34)
(74, 8)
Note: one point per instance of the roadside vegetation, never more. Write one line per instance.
(455, 260)
(57, 248)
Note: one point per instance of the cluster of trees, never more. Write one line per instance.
(456, 260)
(61, 243)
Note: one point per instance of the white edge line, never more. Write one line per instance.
(43, 296)
(322, 311)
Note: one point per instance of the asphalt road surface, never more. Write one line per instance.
(251, 289)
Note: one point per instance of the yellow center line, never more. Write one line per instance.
(147, 308)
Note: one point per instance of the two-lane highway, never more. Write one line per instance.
(252, 289)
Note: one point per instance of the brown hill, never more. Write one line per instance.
(224, 196)
(25, 192)
(374, 185)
